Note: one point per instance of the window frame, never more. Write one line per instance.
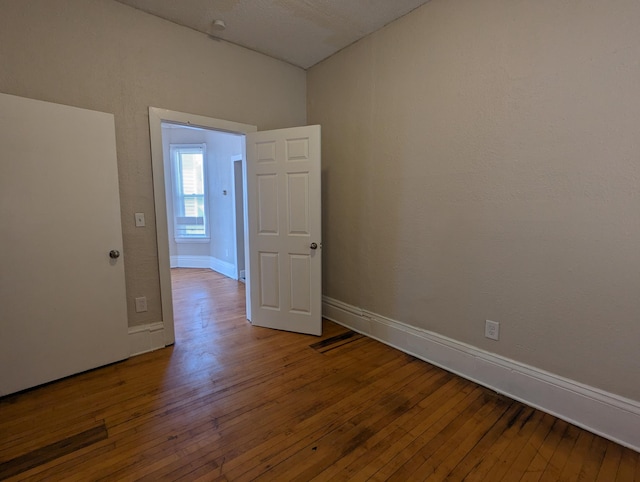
(176, 173)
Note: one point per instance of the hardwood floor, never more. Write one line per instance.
(234, 402)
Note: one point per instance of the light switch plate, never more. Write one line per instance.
(140, 220)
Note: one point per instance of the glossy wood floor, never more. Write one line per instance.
(234, 402)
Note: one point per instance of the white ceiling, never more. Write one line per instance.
(301, 32)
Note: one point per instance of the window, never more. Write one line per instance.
(190, 192)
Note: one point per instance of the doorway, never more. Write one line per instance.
(203, 187)
(156, 119)
(282, 202)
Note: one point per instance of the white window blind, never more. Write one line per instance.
(190, 192)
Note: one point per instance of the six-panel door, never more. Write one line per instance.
(284, 223)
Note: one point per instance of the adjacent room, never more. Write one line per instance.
(203, 191)
(473, 278)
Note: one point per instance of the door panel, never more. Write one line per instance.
(62, 298)
(300, 283)
(269, 281)
(267, 204)
(298, 203)
(284, 220)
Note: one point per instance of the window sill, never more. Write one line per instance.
(192, 240)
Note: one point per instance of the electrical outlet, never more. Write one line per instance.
(140, 220)
(492, 329)
(141, 304)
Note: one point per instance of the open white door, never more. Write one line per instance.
(284, 229)
(62, 297)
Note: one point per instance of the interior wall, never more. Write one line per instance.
(221, 198)
(480, 161)
(220, 147)
(239, 216)
(106, 56)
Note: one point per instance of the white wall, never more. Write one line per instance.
(106, 56)
(481, 161)
(223, 205)
(220, 148)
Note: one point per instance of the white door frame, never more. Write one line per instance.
(238, 243)
(156, 117)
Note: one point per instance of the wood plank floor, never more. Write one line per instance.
(232, 402)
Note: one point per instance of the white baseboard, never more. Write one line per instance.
(207, 262)
(188, 261)
(145, 338)
(222, 267)
(606, 414)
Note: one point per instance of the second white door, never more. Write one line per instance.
(62, 288)
(284, 229)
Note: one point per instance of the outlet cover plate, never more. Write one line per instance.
(492, 330)
(141, 304)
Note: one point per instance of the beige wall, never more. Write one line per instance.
(102, 55)
(481, 160)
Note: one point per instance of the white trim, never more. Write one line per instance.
(156, 117)
(187, 261)
(223, 267)
(146, 338)
(192, 240)
(175, 149)
(234, 196)
(603, 413)
(206, 262)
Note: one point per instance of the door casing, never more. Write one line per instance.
(156, 117)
